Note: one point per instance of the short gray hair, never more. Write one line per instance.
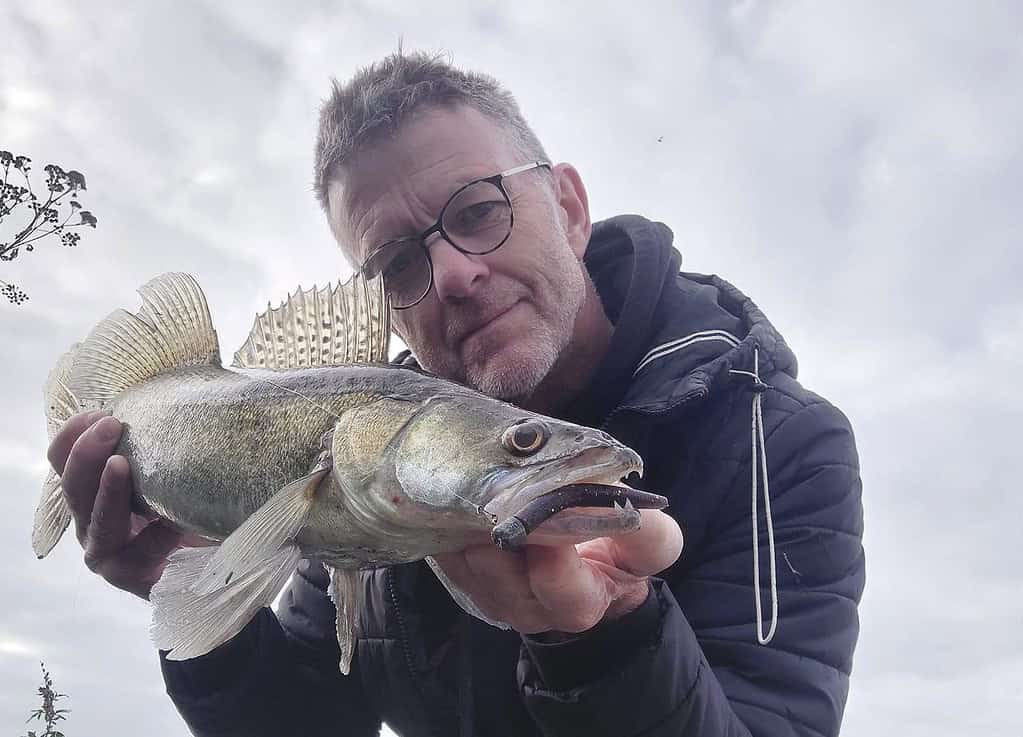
(380, 97)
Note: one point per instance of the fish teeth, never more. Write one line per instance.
(628, 505)
(618, 507)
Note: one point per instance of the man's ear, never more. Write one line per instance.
(574, 207)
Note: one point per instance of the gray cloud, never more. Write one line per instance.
(855, 168)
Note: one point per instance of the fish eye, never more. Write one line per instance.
(526, 437)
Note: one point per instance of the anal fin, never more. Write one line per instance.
(344, 592)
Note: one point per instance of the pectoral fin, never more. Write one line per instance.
(190, 624)
(344, 592)
(270, 527)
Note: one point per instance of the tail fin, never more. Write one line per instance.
(53, 515)
(172, 329)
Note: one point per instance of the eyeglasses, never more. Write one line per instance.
(477, 219)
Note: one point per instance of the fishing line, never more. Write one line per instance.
(492, 518)
(299, 394)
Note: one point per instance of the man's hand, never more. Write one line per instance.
(127, 550)
(568, 588)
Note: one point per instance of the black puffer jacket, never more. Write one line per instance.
(687, 662)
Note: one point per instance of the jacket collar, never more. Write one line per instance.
(676, 336)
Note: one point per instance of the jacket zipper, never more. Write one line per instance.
(404, 640)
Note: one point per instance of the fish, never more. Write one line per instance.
(310, 445)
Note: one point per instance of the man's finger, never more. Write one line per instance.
(64, 440)
(496, 577)
(574, 594)
(487, 561)
(656, 545)
(84, 467)
(497, 584)
(503, 578)
(457, 569)
(110, 523)
(140, 563)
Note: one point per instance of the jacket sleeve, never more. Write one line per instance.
(694, 666)
(272, 680)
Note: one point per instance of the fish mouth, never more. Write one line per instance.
(569, 500)
(586, 510)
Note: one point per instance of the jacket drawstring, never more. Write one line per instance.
(759, 458)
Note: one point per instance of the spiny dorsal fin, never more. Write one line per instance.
(172, 329)
(339, 324)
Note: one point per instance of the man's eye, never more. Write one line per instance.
(480, 215)
(400, 264)
(394, 262)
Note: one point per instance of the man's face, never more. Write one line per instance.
(496, 322)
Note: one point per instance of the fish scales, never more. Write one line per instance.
(207, 446)
(323, 454)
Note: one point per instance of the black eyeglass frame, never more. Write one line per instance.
(498, 181)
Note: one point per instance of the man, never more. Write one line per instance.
(750, 631)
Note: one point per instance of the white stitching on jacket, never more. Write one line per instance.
(678, 344)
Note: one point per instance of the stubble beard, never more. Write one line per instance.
(514, 375)
(517, 379)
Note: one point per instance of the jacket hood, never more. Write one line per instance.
(704, 324)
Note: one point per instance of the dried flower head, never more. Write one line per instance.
(58, 214)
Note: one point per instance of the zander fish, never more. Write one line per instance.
(309, 450)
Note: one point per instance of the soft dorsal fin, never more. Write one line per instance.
(172, 329)
(338, 324)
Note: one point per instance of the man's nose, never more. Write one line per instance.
(456, 275)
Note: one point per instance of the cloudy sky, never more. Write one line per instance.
(856, 168)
